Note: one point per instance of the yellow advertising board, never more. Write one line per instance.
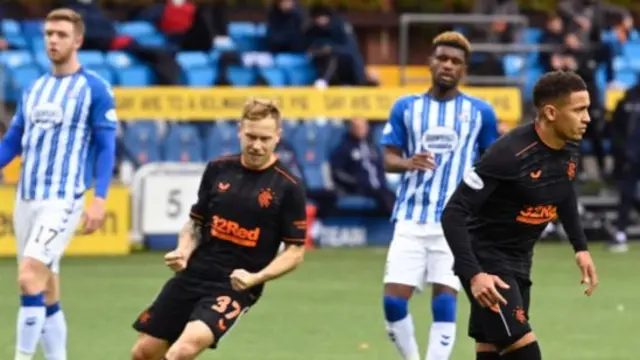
(612, 98)
(338, 102)
(111, 239)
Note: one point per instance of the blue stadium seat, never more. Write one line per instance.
(91, 58)
(134, 76)
(120, 59)
(183, 144)
(241, 76)
(31, 28)
(532, 76)
(222, 139)
(288, 60)
(16, 41)
(275, 77)
(214, 56)
(531, 35)
(104, 72)
(376, 128)
(513, 65)
(42, 60)
(36, 44)
(314, 176)
(626, 78)
(301, 76)
(241, 28)
(136, 29)
(621, 63)
(202, 76)
(16, 58)
(10, 27)
(142, 140)
(311, 142)
(152, 40)
(337, 132)
(188, 59)
(631, 50)
(261, 29)
(356, 203)
(22, 77)
(288, 129)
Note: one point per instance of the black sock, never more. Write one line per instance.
(528, 352)
(487, 355)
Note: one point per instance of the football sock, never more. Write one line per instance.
(400, 327)
(527, 352)
(486, 355)
(443, 329)
(54, 334)
(31, 317)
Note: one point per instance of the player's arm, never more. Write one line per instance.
(104, 120)
(476, 187)
(11, 142)
(191, 234)
(570, 218)
(489, 130)
(394, 139)
(294, 230)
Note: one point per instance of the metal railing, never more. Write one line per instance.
(406, 20)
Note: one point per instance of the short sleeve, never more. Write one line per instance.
(103, 110)
(294, 216)
(199, 209)
(395, 132)
(489, 127)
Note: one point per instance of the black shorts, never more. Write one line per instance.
(184, 299)
(503, 325)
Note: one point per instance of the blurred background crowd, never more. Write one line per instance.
(355, 43)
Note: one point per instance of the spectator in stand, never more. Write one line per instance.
(285, 27)
(101, 35)
(554, 35)
(335, 55)
(357, 167)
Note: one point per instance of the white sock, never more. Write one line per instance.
(441, 339)
(402, 333)
(54, 334)
(31, 317)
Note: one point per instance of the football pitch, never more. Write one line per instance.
(330, 309)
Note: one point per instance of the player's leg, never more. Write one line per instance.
(526, 347)
(404, 272)
(212, 318)
(445, 287)
(33, 275)
(54, 334)
(486, 351)
(162, 322)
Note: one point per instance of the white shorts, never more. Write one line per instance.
(419, 254)
(45, 228)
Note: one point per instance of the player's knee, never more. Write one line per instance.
(32, 277)
(142, 352)
(443, 307)
(185, 350)
(395, 308)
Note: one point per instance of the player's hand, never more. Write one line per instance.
(93, 217)
(588, 270)
(422, 161)
(176, 260)
(484, 289)
(242, 279)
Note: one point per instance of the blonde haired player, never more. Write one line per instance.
(64, 128)
(432, 139)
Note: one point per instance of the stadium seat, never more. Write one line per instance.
(314, 176)
(301, 76)
(22, 77)
(514, 65)
(337, 131)
(36, 44)
(626, 78)
(240, 29)
(134, 76)
(261, 29)
(376, 128)
(222, 139)
(136, 29)
(631, 50)
(16, 58)
(289, 60)
(621, 63)
(188, 59)
(152, 40)
(356, 203)
(241, 77)
(104, 72)
(10, 27)
(289, 128)
(531, 35)
(183, 144)
(16, 41)
(141, 139)
(32, 28)
(42, 60)
(275, 77)
(91, 58)
(202, 76)
(311, 142)
(120, 59)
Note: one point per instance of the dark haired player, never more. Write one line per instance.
(247, 205)
(494, 218)
(431, 139)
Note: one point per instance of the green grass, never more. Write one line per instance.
(331, 308)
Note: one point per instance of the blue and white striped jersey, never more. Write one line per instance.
(455, 131)
(60, 118)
